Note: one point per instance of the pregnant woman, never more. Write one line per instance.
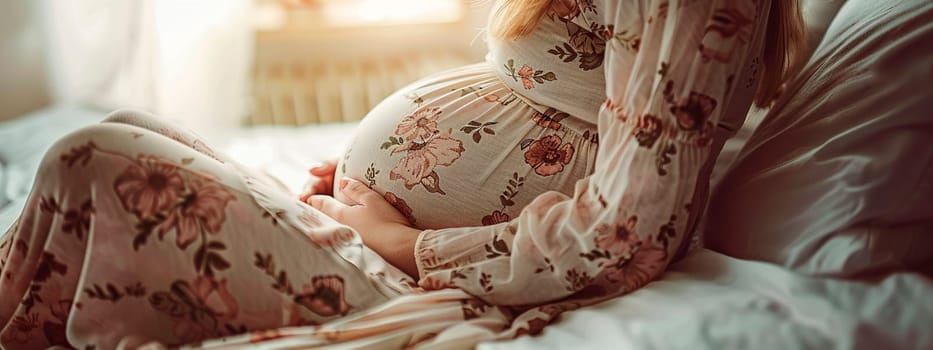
(480, 203)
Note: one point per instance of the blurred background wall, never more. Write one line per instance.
(186, 60)
(219, 64)
(325, 61)
(23, 78)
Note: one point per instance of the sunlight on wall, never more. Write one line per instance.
(321, 61)
(363, 12)
(201, 55)
(309, 14)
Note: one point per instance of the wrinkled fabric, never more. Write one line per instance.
(137, 232)
(679, 80)
(836, 180)
(462, 148)
(137, 229)
(709, 301)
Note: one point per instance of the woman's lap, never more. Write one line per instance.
(128, 233)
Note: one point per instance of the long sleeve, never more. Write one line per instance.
(673, 70)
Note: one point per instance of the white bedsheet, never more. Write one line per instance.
(707, 301)
(711, 301)
(23, 142)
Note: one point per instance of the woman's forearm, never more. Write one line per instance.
(397, 246)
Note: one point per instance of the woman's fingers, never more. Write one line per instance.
(304, 196)
(325, 169)
(358, 193)
(323, 186)
(313, 187)
(327, 205)
(321, 181)
(362, 209)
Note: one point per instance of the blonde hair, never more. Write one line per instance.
(517, 18)
(784, 52)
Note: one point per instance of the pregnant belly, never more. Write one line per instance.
(460, 149)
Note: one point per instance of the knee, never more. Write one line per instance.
(152, 123)
(67, 159)
(131, 117)
(80, 143)
(96, 132)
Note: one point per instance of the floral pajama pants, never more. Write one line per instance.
(137, 233)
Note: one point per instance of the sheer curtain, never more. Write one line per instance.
(188, 61)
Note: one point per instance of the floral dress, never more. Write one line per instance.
(569, 168)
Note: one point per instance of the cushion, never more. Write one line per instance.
(817, 16)
(838, 178)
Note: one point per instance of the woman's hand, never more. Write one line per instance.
(383, 228)
(321, 180)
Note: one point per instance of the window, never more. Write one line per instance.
(361, 13)
(368, 12)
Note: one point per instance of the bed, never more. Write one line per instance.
(284, 151)
(708, 300)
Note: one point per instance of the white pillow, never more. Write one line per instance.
(818, 14)
(838, 178)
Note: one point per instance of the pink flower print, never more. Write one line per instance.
(620, 240)
(646, 264)
(495, 218)
(421, 124)
(648, 130)
(547, 156)
(324, 296)
(148, 187)
(213, 302)
(201, 208)
(422, 157)
(608, 31)
(432, 283)
(534, 326)
(695, 112)
(20, 329)
(400, 205)
(702, 140)
(565, 8)
(427, 256)
(78, 221)
(526, 73)
(213, 294)
(729, 28)
(189, 331)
